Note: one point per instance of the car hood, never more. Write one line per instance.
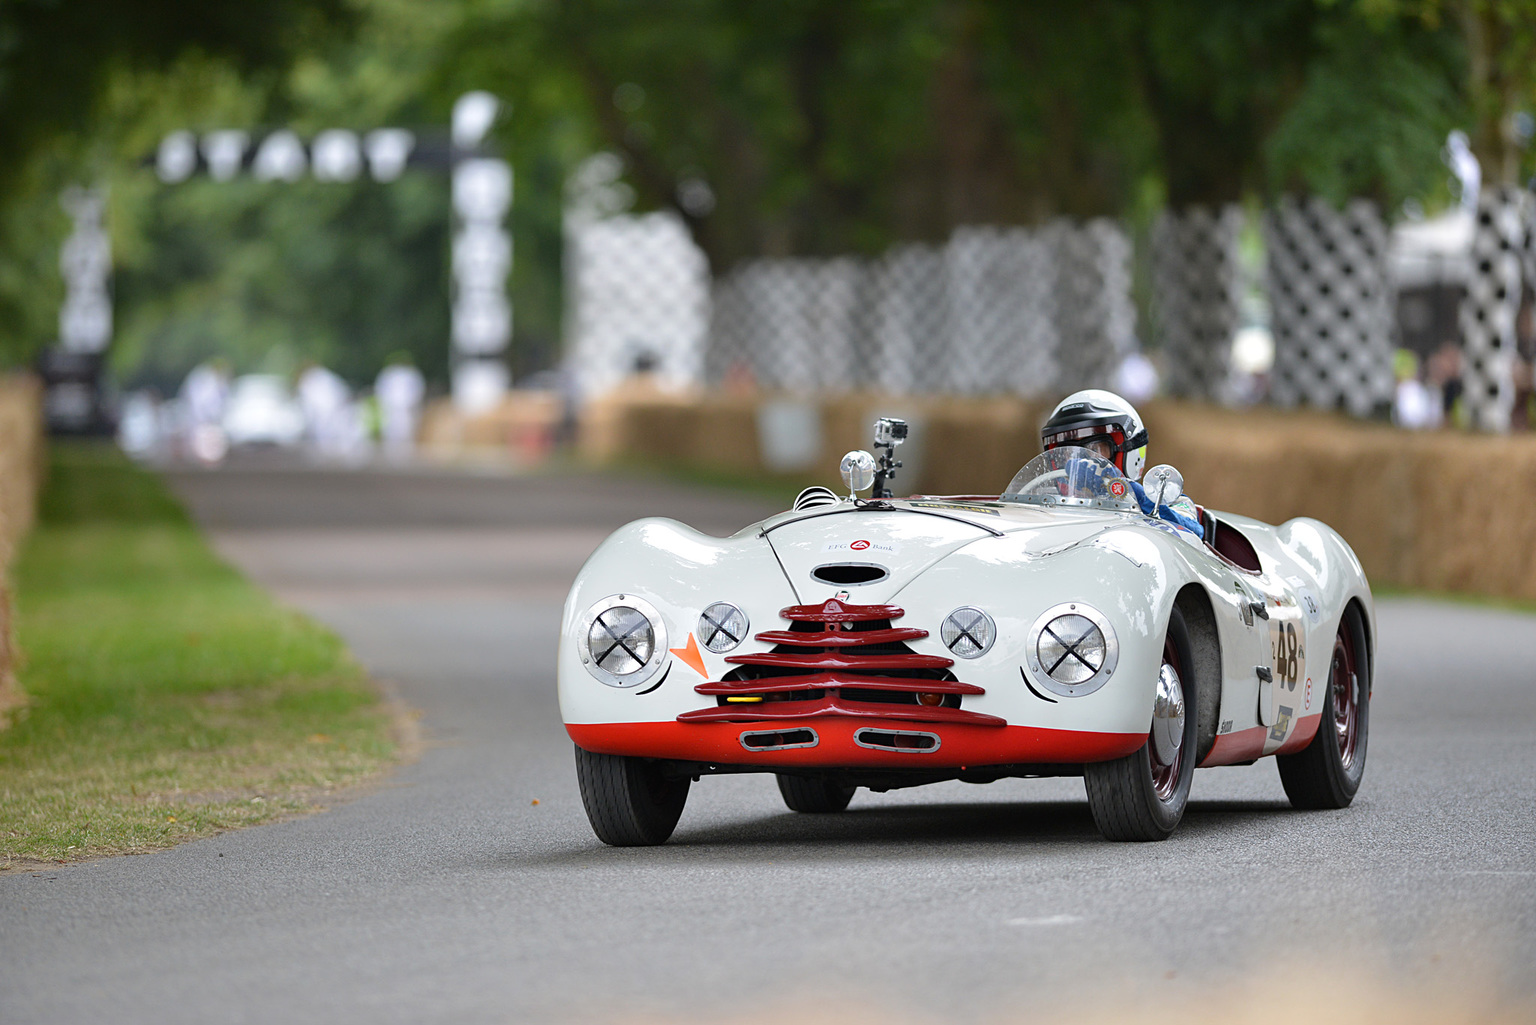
(817, 549)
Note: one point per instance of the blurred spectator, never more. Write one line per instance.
(203, 396)
(138, 429)
(398, 392)
(1443, 374)
(1136, 378)
(1414, 404)
(323, 398)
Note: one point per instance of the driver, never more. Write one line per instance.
(1110, 427)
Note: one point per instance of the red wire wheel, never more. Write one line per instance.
(1328, 771)
(1343, 679)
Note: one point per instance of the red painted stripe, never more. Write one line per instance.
(821, 681)
(833, 706)
(960, 744)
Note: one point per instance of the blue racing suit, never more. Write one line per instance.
(1166, 512)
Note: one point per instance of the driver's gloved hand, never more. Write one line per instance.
(1082, 477)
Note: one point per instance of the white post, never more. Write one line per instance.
(85, 320)
(482, 258)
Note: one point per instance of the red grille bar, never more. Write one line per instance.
(834, 706)
(842, 638)
(832, 681)
(842, 660)
(834, 611)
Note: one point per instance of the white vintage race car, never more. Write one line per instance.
(1052, 630)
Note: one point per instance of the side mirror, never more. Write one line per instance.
(1163, 484)
(858, 469)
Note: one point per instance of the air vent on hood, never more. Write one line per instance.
(845, 573)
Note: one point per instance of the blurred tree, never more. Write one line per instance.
(833, 128)
(1500, 38)
(58, 60)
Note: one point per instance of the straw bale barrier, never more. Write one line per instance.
(1440, 511)
(21, 467)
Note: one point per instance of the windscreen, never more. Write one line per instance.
(1069, 475)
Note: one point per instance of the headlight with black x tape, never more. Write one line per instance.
(1072, 650)
(624, 640)
(722, 626)
(968, 632)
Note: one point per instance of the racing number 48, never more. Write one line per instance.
(1287, 655)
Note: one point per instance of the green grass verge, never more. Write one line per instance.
(170, 698)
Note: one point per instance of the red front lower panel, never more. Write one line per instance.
(960, 745)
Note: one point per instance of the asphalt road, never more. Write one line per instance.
(446, 894)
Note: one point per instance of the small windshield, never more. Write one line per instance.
(1069, 475)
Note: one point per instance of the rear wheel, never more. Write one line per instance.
(629, 802)
(813, 795)
(1327, 772)
(1143, 795)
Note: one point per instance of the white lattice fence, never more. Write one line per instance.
(1095, 317)
(992, 311)
(638, 295)
(1502, 241)
(1196, 290)
(1331, 303)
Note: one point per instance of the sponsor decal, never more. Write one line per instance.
(1225, 727)
(1282, 723)
(1117, 488)
(844, 596)
(958, 507)
(1307, 695)
(862, 546)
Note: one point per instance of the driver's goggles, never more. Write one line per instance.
(1085, 436)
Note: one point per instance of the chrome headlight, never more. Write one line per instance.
(968, 632)
(1072, 650)
(623, 640)
(722, 626)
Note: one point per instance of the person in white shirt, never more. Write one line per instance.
(399, 391)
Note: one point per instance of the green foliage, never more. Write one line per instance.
(819, 129)
(339, 273)
(169, 697)
(1395, 87)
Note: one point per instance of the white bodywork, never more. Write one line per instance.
(1014, 562)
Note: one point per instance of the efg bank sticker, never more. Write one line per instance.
(862, 546)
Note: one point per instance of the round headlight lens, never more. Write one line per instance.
(968, 632)
(621, 640)
(722, 626)
(1071, 649)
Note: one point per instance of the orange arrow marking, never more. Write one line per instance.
(689, 654)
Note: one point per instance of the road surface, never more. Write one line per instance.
(446, 894)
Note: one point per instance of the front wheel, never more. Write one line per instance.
(813, 795)
(1327, 772)
(629, 801)
(1143, 795)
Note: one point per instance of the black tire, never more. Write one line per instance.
(1327, 772)
(1131, 801)
(628, 800)
(816, 796)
